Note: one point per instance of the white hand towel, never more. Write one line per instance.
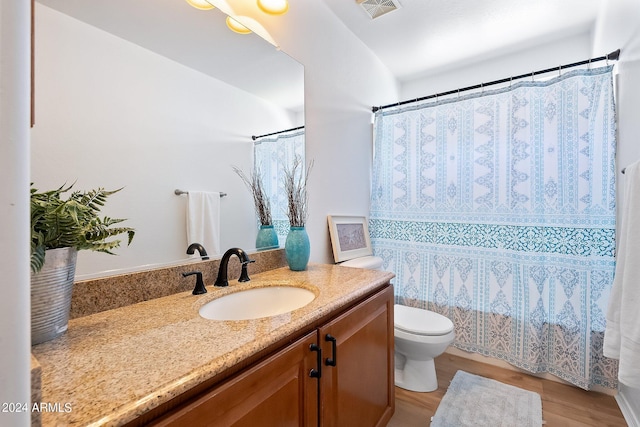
(622, 334)
(203, 220)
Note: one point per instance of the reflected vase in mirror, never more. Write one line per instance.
(267, 238)
(297, 248)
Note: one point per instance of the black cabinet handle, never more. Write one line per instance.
(316, 373)
(334, 351)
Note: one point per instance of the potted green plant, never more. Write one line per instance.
(59, 228)
(267, 238)
(297, 247)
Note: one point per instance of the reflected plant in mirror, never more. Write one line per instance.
(266, 237)
(260, 199)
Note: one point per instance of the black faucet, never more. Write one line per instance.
(199, 289)
(203, 253)
(224, 263)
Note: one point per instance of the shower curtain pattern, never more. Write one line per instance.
(271, 155)
(498, 211)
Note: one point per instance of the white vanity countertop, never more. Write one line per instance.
(111, 367)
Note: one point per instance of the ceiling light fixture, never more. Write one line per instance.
(200, 4)
(274, 7)
(236, 26)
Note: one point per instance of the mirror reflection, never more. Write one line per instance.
(153, 97)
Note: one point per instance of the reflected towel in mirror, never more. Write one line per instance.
(203, 220)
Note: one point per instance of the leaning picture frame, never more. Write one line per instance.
(349, 237)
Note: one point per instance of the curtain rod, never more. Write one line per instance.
(613, 56)
(276, 133)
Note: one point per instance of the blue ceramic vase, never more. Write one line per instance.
(297, 248)
(267, 238)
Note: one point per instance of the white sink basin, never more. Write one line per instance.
(256, 303)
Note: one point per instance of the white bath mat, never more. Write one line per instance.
(476, 401)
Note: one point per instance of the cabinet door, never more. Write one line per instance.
(357, 387)
(276, 392)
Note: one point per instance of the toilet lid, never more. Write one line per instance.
(421, 322)
(367, 262)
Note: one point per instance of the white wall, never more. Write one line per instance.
(571, 49)
(14, 209)
(619, 27)
(112, 114)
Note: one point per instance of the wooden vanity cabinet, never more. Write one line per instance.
(278, 391)
(357, 384)
(289, 388)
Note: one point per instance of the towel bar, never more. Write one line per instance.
(178, 192)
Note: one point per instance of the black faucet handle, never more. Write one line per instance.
(244, 274)
(199, 289)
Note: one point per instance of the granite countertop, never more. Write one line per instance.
(113, 366)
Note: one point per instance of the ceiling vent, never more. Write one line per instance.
(377, 8)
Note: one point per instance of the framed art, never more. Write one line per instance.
(349, 237)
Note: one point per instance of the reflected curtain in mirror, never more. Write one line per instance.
(497, 210)
(272, 155)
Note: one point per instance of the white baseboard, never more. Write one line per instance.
(630, 416)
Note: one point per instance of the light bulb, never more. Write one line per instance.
(200, 4)
(236, 26)
(274, 7)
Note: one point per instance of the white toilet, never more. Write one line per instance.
(420, 336)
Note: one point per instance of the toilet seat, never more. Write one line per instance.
(421, 322)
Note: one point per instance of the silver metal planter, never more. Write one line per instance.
(51, 291)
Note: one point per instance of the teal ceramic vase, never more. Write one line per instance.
(267, 238)
(297, 248)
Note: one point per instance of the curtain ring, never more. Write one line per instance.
(589, 64)
(510, 81)
(532, 76)
(560, 71)
(458, 93)
(481, 88)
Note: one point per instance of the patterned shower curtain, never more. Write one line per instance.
(497, 210)
(271, 156)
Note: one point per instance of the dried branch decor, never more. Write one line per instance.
(260, 199)
(295, 185)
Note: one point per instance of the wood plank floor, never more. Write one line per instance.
(562, 405)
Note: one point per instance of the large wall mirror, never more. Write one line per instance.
(153, 96)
